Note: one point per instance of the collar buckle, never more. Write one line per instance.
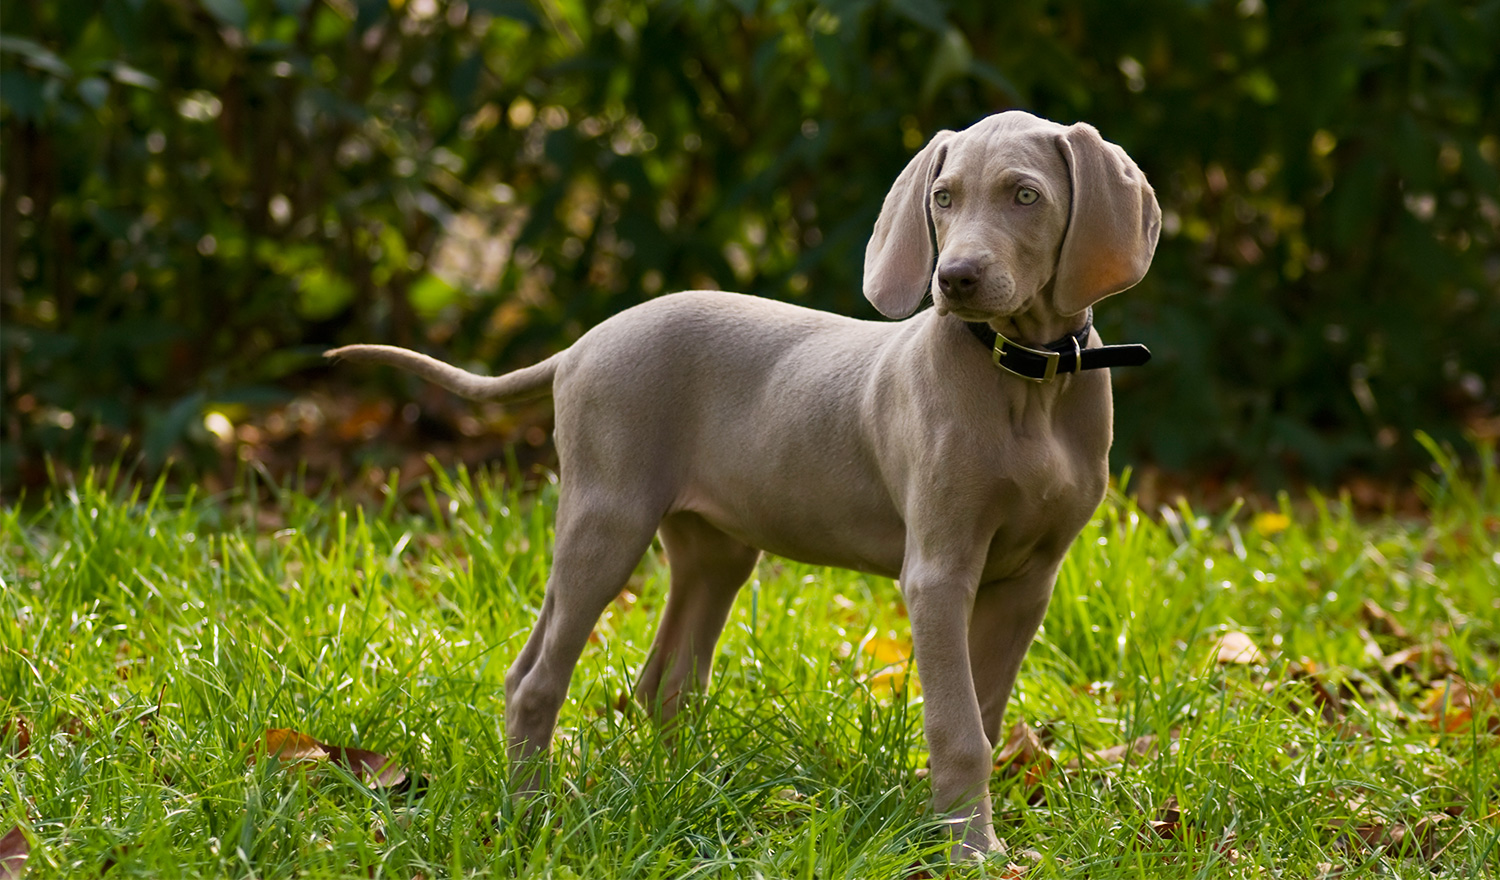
(1043, 364)
(1004, 346)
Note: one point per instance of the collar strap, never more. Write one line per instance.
(1069, 354)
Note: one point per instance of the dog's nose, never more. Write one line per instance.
(958, 276)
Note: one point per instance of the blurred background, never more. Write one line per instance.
(199, 196)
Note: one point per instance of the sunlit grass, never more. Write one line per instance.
(150, 641)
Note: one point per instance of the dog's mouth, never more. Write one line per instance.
(973, 316)
(979, 307)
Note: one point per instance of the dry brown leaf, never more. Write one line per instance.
(372, 768)
(1023, 753)
(1427, 835)
(1381, 622)
(1430, 661)
(1373, 652)
(1325, 697)
(1166, 823)
(1020, 868)
(1420, 839)
(366, 421)
(116, 855)
(1023, 748)
(1375, 834)
(73, 726)
(288, 745)
(367, 766)
(1451, 705)
(20, 728)
(1236, 648)
(1169, 824)
(14, 850)
(1424, 838)
(1141, 745)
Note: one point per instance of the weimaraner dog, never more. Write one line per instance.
(961, 450)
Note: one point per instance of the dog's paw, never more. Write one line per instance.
(978, 844)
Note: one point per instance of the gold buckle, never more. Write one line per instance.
(1001, 344)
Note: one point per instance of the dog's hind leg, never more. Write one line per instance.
(708, 569)
(599, 541)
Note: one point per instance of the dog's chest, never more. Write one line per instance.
(1049, 491)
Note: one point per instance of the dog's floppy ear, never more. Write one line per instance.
(1113, 226)
(898, 259)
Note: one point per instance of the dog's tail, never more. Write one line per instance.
(523, 384)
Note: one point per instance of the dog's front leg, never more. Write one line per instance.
(938, 602)
(1005, 619)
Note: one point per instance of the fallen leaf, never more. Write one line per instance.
(288, 745)
(1381, 622)
(1270, 523)
(886, 652)
(1382, 836)
(1325, 697)
(116, 855)
(367, 766)
(1236, 648)
(1452, 703)
(891, 680)
(1141, 745)
(1372, 652)
(890, 660)
(1430, 661)
(1428, 832)
(372, 768)
(1427, 838)
(72, 725)
(1169, 824)
(14, 850)
(20, 728)
(1024, 754)
(366, 420)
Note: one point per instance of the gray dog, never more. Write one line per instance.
(961, 450)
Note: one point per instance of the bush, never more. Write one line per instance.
(199, 196)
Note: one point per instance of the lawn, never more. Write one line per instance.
(273, 684)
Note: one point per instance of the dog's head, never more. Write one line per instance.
(1019, 208)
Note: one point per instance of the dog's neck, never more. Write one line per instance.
(1069, 353)
(1039, 326)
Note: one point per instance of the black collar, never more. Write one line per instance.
(1069, 354)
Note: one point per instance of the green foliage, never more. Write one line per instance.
(152, 640)
(199, 196)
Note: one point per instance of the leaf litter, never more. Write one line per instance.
(1417, 684)
(372, 768)
(14, 850)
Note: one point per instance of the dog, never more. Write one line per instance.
(960, 450)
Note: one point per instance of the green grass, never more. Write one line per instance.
(148, 642)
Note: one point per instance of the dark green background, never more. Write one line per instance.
(199, 196)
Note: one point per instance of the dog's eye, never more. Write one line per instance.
(943, 198)
(1026, 195)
